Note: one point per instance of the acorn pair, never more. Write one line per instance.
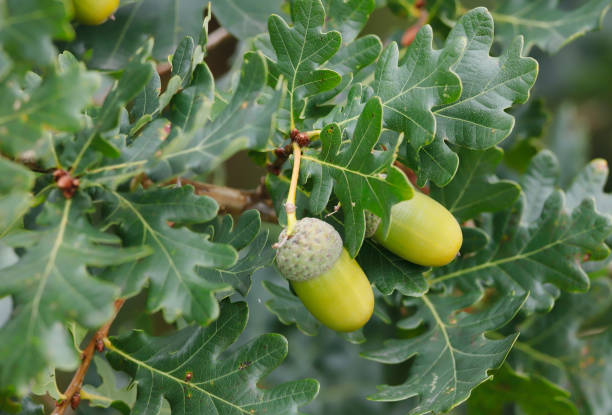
(332, 285)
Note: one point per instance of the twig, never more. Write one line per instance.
(235, 201)
(411, 176)
(77, 380)
(410, 33)
(217, 37)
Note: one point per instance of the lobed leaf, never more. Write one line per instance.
(489, 86)
(544, 24)
(221, 383)
(15, 196)
(175, 287)
(290, 310)
(247, 121)
(245, 18)
(108, 394)
(571, 345)
(590, 183)
(360, 178)
(113, 43)
(300, 50)
(410, 89)
(475, 187)
(253, 248)
(390, 272)
(50, 284)
(55, 103)
(452, 355)
(540, 255)
(533, 394)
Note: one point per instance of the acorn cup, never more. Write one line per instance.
(421, 231)
(330, 284)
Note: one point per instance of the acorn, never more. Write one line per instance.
(330, 284)
(94, 12)
(421, 231)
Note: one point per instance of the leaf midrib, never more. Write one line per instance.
(186, 384)
(505, 260)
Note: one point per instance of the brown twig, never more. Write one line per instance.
(74, 388)
(235, 201)
(410, 33)
(411, 176)
(216, 37)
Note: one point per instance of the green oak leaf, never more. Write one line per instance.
(569, 139)
(187, 68)
(474, 239)
(452, 355)
(113, 43)
(252, 245)
(290, 310)
(134, 156)
(147, 101)
(245, 18)
(102, 134)
(54, 104)
(490, 85)
(346, 115)
(539, 182)
(541, 255)
(300, 49)
(50, 284)
(411, 88)
(525, 141)
(360, 177)
(182, 60)
(544, 24)
(589, 183)
(134, 78)
(28, 28)
(475, 188)
(348, 17)
(533, 394)
(247, 121)
(572, 346)
(15, 196)
(348, 62)
(174, 285)
(220, 383)
(108, 394)
(390, 272)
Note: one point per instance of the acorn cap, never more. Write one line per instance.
(372, 221)
(312, 249)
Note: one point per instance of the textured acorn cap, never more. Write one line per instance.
(312, 249)
(372, 221)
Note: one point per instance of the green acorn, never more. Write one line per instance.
(421, 231)
(331, 284)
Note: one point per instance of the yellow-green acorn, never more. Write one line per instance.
(422, 231)
(94, 12)
(330, 283)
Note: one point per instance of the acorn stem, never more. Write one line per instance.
(290, 206)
